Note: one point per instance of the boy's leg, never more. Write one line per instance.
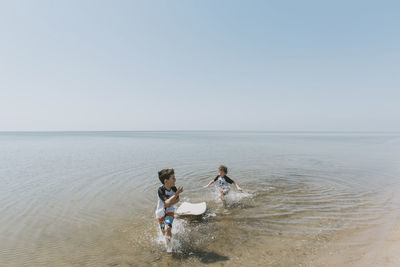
(165, 225)
(168, 233)
(162, 227)
(161, 222)
(168, 238)
(169, 218)
(222, 197)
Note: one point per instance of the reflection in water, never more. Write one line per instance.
(89, 198)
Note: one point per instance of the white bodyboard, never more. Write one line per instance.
(187, 208)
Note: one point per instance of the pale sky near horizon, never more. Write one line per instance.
(200, 65)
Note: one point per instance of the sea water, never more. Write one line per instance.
(88, 198)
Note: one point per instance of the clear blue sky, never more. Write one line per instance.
(200, 65)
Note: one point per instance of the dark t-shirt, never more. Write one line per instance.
(165, 194)
(227, 179)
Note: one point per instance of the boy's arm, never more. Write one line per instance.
(210, 183)
(171, 201)
(237, 186)
(174, 199)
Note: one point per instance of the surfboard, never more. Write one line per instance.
(187, 208)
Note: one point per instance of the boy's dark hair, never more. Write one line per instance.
(165, 174)
(223, 168)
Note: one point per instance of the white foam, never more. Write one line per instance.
(233, 196)
(210, 214)
(178, 227)
(178, 230)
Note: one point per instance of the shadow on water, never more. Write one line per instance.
(204, 256)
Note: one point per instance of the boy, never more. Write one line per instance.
(223, 182)
(168, 196)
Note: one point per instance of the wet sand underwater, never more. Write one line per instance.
(310, 199)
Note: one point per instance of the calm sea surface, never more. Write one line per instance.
(88, 198)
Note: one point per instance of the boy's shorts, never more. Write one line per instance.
(168, 219)
(224, 189)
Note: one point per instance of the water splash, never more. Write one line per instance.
(235, 196)
(178, 231)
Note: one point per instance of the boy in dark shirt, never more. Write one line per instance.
(168, 196)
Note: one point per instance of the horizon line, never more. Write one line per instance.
(265, 131)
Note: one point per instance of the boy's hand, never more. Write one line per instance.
(180, 190)
(240, 189)
(206, 186)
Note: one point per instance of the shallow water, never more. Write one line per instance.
(88, 198)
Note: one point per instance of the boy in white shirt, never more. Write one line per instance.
(223, 182)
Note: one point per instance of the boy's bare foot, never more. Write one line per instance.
(168, 244)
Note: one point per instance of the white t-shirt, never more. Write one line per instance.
(223, 182)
